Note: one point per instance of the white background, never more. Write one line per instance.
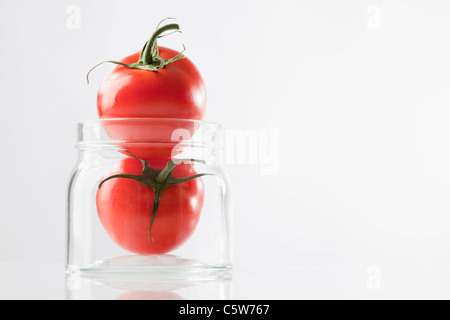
(359, 92)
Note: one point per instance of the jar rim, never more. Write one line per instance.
(133, 131)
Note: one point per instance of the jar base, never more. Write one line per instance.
(157, 267)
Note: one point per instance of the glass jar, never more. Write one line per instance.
(149, 197)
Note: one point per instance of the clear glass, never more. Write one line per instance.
(109, 228)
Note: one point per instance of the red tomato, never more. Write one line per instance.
(156, 83)
(125, 205)
(174, 91)
(150, 95)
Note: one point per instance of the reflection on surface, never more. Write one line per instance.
(149, 295)
(157, 277)
(81, 287)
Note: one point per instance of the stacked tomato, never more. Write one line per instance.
(151, 203)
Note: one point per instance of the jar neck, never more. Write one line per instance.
(148, 138)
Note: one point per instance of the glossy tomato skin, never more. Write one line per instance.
(124, 207)
(175, 91)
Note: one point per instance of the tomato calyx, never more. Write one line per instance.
(158, 180)
(149, 58)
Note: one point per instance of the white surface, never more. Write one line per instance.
(358, 92)
(46, 281)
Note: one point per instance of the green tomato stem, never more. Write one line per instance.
(158, 194)
(150, 53)
(149, 59)
(162, 176)
(158, 180)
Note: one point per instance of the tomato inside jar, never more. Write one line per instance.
(147, 217)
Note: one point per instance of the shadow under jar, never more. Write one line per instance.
(149, 197)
